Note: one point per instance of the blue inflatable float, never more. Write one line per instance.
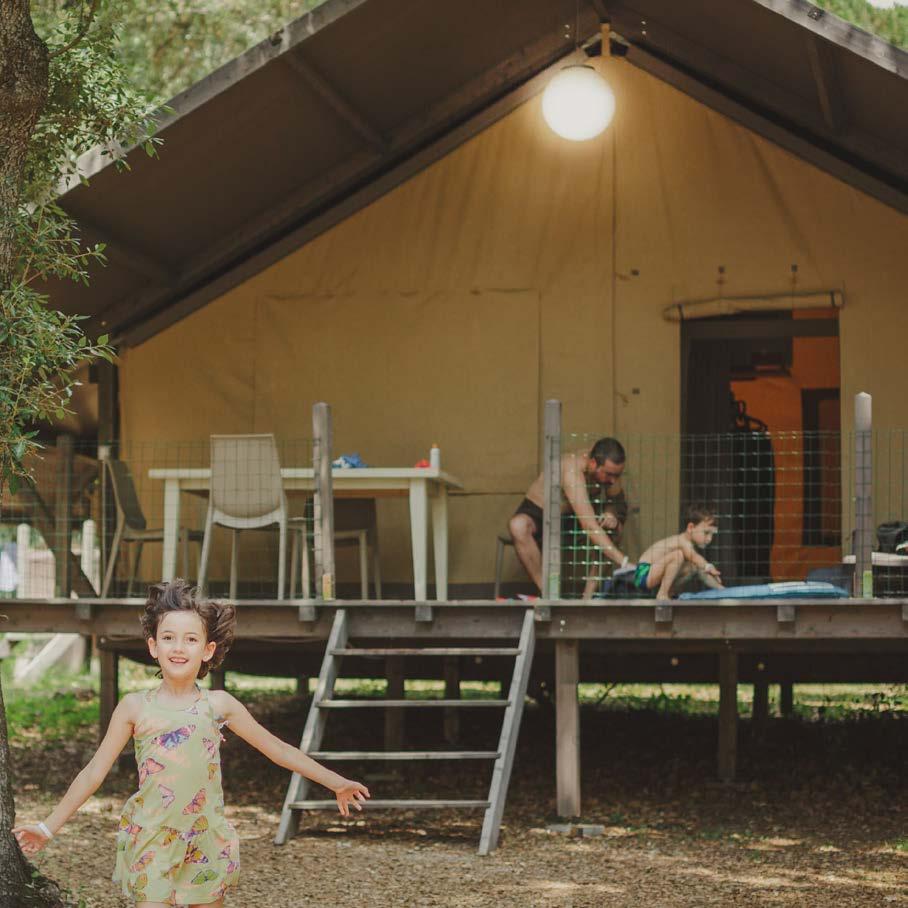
(799, 589)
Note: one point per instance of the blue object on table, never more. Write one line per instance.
(348, 462)
(797, 589)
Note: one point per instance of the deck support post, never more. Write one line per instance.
(567, 727)
(728, 714)
(760, 711)
(786, 698)
(452, 692)
(394, 718)
(110, 687)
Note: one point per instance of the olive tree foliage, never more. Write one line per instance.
(168, 45)
(63, 91)
(68, 95)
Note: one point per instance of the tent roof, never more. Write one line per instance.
(353, 98)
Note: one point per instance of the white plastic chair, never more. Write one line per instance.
(355, 523)
(131, 526)
(246, 494)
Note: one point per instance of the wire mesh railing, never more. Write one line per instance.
(779, 507)
(108, 520)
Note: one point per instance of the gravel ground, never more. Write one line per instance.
(821, 819)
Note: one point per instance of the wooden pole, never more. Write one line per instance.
(567, 727)
(63, 515)
(218, 679)
(786, 698)
(452, 692)
(323, 541)
(110, 687)
(394, 718)
(760, 711)
(551, 530)
(108, 429)
(728, 714)
(863, 496)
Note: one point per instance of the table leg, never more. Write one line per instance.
(440, 540)
(418, 533)
(171, 528)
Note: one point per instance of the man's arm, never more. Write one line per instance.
(573, 482)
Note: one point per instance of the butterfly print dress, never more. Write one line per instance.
(174, 844)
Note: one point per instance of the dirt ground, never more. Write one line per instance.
(819, 818)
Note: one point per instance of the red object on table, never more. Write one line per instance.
(422, 464)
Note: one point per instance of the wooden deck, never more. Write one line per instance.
(724, 642)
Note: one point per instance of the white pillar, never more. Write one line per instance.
(23, 542)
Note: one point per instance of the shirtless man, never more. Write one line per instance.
(601, 465)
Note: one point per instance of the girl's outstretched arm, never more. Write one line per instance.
(242, 723)
(32, 838)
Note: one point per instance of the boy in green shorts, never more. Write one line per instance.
(676, 556)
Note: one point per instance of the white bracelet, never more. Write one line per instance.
(43, 827)
(709, 566)
(626, 561)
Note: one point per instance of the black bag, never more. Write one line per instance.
(891, 534)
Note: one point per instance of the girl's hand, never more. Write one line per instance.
(350, 793)
(30, 838)
(712, 570)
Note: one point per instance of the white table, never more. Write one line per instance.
(419, 484)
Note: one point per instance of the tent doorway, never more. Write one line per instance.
(760, 416)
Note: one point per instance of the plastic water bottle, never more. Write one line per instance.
(435, 457)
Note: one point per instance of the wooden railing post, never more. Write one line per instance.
(551, 531)
(863, 496)
(323, 512)
(63, 515)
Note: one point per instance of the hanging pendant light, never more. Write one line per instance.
(578, 104)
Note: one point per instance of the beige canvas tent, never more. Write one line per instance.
(409, 241)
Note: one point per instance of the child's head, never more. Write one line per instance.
(700, 524)
(186, 633)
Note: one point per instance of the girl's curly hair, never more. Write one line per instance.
(219, 618)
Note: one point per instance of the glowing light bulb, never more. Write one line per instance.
(578, 103)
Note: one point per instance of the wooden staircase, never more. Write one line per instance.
(323, 702)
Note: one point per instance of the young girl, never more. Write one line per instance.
(175, 846)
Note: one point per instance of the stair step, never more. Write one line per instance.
(430, 651)
(405, 755)
(400, 805)
(378, 704)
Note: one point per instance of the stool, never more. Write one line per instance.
(503, 540)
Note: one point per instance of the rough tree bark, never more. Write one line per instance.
(23, 95)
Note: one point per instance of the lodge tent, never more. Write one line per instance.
(368, 209)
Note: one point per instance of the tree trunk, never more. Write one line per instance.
(23, 95)
(20, 885)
